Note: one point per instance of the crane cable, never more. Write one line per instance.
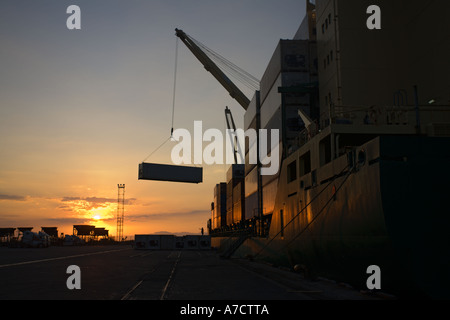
(229, 67)
(174, 84)
(173, 102)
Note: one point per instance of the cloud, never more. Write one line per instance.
(70, 198)
(65, 220)
(12, 197)
(168, 215)
(97, 200)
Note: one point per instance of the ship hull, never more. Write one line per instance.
(387, 206)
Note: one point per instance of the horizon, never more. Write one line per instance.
(81, 108)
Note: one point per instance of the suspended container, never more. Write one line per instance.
(165, 172)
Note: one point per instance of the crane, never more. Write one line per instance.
(196, 48)
(152, 171)
(236, 149)
(210, 66)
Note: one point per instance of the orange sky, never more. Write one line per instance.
(80, 109)
(75, 198)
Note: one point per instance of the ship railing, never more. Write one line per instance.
(405, 115)
(309, 132)
(389, 115)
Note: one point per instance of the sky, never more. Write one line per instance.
(80, 109)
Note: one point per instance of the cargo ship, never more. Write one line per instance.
(374, 199)
(364, 120)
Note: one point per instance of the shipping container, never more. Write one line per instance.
(235, 176)
(229, 191)
(172, 242)
(239, 202)
(251, 182)
(147, 242)
(273, 99)
(230, 210)
(204, 242)
(238, 211)
(179, 243)
(164, 172)
(289, 56)
(238, 192)
(219, 212)
(191, 242)
(235, 173)
(167, 242)
(212, 222)
(251, 206)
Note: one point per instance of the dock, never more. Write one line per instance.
(119, 272)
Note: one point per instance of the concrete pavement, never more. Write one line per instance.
(122, 273)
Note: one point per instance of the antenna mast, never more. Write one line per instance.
(120, 210)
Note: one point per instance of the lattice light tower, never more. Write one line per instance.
(120, 210)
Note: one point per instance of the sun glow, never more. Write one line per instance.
(102, 213)
(91, 208)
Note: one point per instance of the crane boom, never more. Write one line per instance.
(210, 66)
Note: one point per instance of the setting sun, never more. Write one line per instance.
(96, 217)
